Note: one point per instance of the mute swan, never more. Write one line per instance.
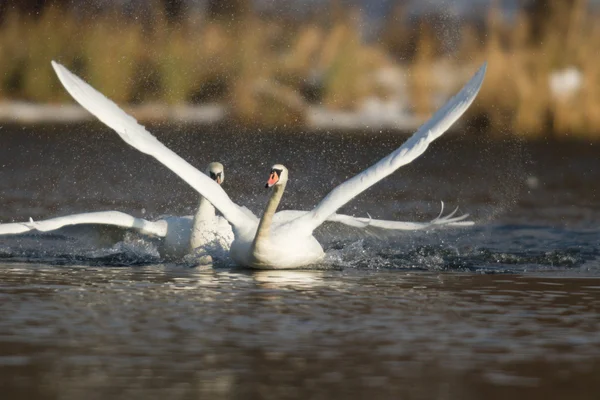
(275, 241)
(183, 235)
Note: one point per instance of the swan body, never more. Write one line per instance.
(213, 238)
(270, 243)
(214, 234)
(277, 252)
(181, 235)
(206, 231)
(177, 231)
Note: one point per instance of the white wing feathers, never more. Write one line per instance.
(137, 136)
(160, 228)
(448, 220)
(114, 218)
(14, 228)
(287, 216)
(411, 149)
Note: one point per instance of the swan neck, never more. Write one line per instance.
(264, 227)
(204, 214)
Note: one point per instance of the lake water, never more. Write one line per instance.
(507, 308)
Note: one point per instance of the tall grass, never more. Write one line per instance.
(516, 94)
(266, 69)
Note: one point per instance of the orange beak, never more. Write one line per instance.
(273, 178)
(219, 179)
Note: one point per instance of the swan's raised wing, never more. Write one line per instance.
(113, 218)
(411, 149)
(137, 136)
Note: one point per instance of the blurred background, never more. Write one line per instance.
(312, 63)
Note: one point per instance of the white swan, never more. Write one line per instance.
(205, 232)
(274, 241)
(181, 235)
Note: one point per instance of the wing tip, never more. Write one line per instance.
(66, 78)
(58, 68)
(483, 66)
(479, 75)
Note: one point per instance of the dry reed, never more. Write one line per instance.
(266, 70)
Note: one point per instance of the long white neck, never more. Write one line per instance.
(264, 227)
(204, 214)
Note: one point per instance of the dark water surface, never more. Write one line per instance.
(509, 307)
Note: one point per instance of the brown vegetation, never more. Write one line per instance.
(522, 57)
(266, 70)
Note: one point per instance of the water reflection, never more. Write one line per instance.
(288, 279)
(173, 331)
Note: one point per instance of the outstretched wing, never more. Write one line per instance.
(14, 228)
(361, 222)
(113, 218)
(411, 149)
(137, 136)
(441, 220)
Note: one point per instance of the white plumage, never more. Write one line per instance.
(274, 241)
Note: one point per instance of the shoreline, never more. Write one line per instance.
(25, 113)
(316, 118)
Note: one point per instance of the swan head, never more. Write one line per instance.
(216, 171)
(278, 176)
